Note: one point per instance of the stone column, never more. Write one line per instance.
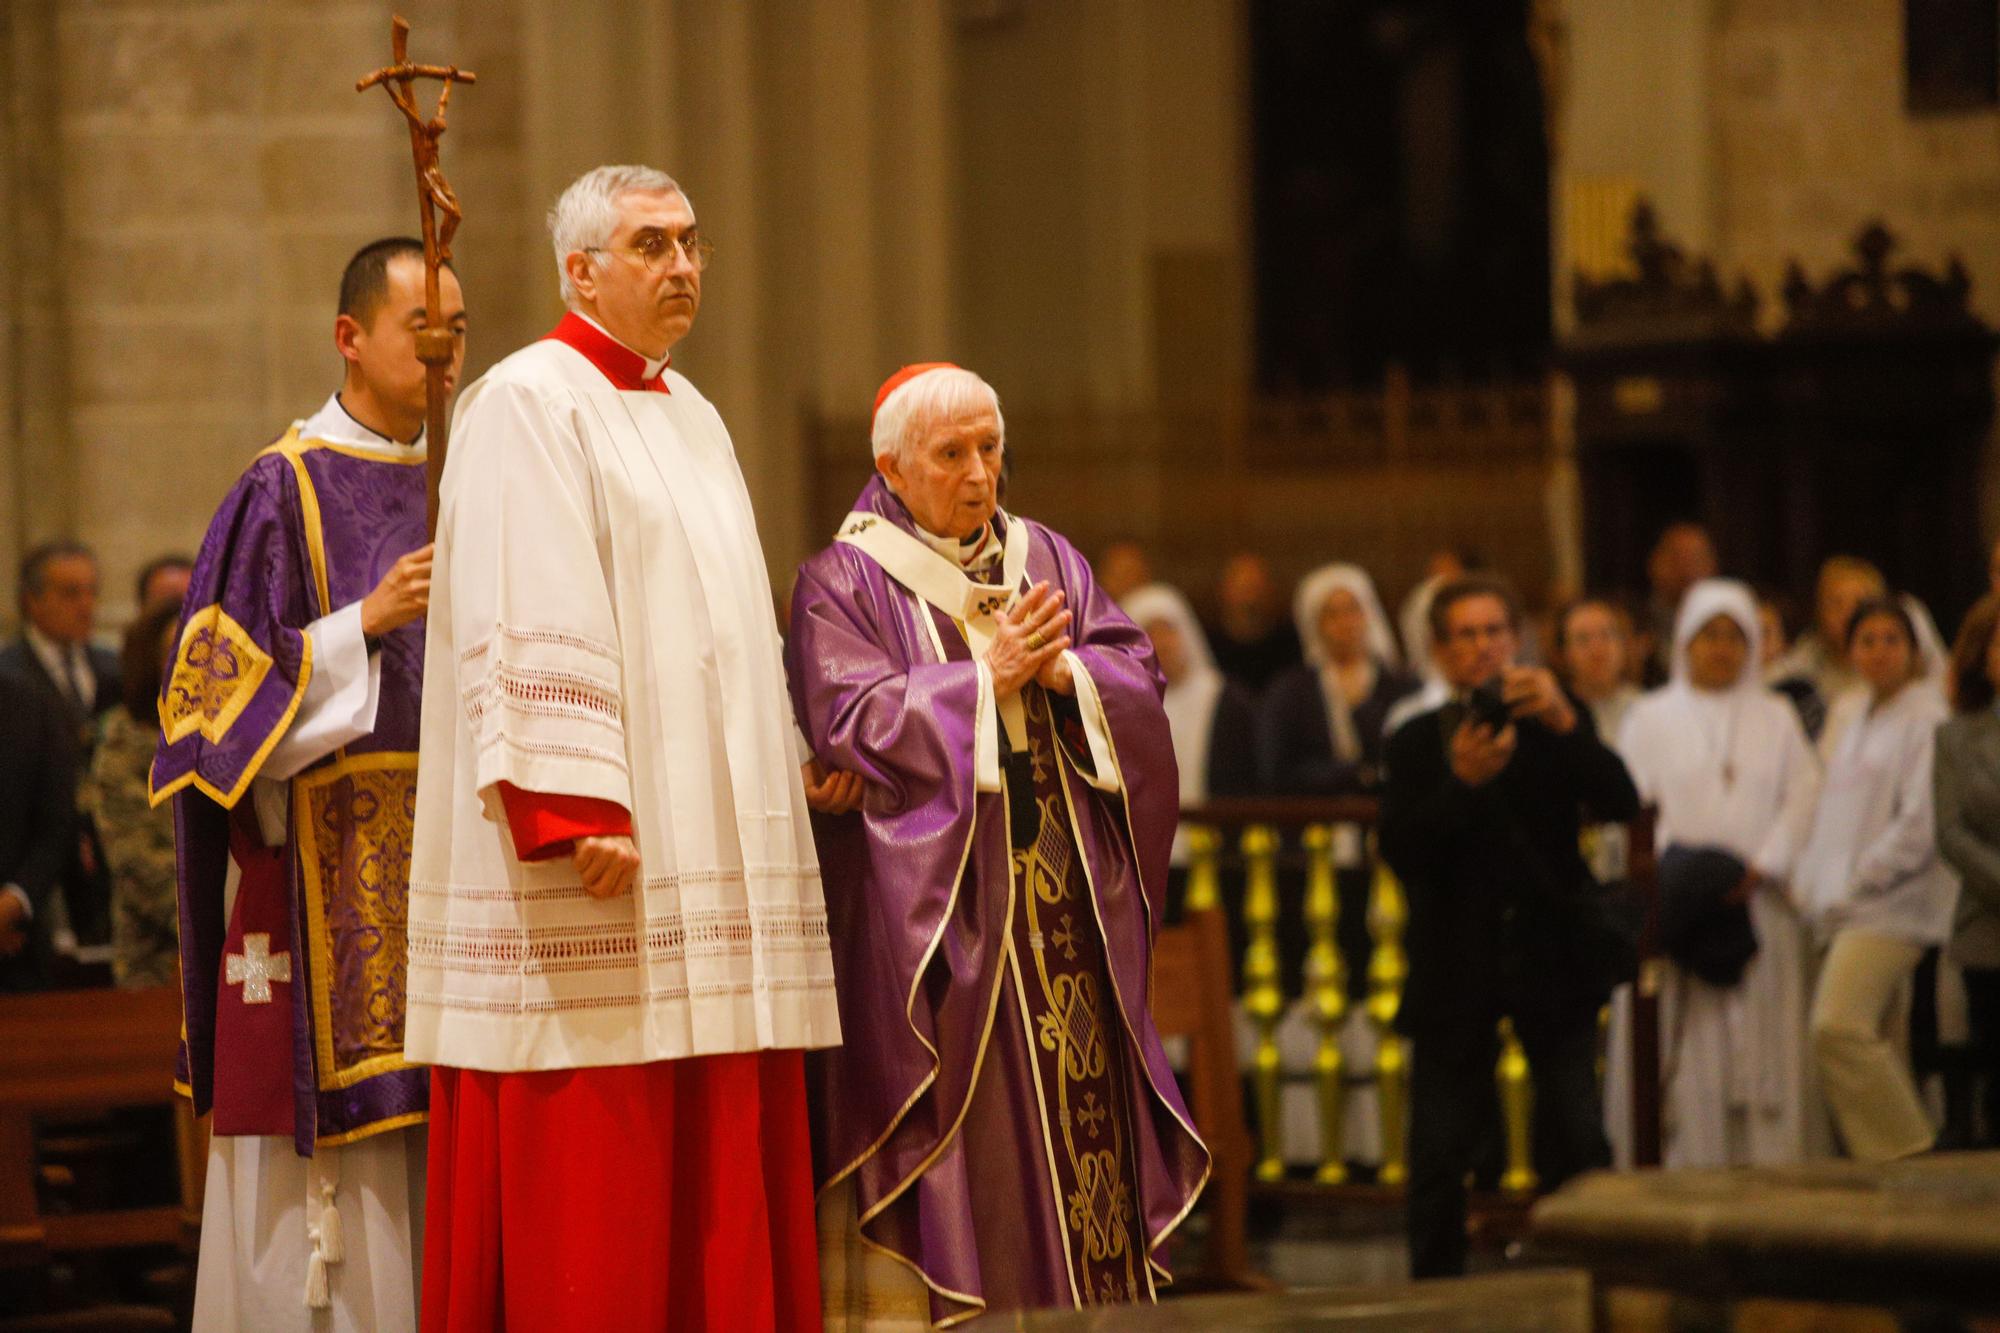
(1115, 216)
(162, 265)
(37, 476)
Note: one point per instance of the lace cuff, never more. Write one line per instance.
(545, 712)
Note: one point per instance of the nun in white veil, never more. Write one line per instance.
(1324, 721)
(1213, 722)
(1729, 767)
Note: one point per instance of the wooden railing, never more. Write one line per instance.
(1284, 873)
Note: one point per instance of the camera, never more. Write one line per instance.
(1487, 706)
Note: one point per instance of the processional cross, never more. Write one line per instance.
(435, 342)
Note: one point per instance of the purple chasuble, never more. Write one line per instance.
(1002, 1102)
(310, 527)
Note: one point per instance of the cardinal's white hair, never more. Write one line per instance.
(587, 213)
(934, 396)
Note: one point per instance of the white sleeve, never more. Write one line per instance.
(27, 903)
(539, 673)
(1635, 747)
(341, 698)
(1787, 834)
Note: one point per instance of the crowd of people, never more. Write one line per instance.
(1828, 829)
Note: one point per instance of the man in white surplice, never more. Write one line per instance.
(618, 949)
(294, 683)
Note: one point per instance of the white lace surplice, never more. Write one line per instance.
(601, 626)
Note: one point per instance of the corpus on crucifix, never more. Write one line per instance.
(437, 347)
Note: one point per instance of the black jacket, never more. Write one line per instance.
(18, 660)
(1232, 745)
(1504, 916)
(85, 881)
(37, 817)
(1297, 737)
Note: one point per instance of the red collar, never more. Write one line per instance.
(620, 364)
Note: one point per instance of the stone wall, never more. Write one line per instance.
(1812, 141)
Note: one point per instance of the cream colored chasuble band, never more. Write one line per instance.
(976, 608)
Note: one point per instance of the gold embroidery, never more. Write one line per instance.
(355, 820)
(1080, 1080)
(216, 674)
(1101, 1206)
(1073, 1031)
(1046, 865)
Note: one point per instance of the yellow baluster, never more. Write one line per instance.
(1262, 998)
(1327, 977)
(1387, 968)
(1204, 886)
(1517, 1110)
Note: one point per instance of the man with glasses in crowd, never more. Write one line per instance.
(1480, 820)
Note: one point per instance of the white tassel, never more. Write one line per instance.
(317, 1297)
(332, 1241)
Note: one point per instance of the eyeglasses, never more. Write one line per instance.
(655, 248)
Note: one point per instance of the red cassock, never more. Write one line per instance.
(669, 1196)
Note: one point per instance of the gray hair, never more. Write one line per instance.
(587, 213)
(920, 403)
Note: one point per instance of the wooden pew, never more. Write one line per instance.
(78, 1052)
(1191, 999)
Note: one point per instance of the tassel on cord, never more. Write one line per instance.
(328, 1243)
(317, 1297)
(332, 1237)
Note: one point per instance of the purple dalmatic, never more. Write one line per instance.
(293, 1005)
(1002, 1104)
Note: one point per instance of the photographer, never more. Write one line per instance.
(1480, 820)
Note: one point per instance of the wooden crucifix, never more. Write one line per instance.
(435, 342)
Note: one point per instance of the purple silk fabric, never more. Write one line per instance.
(872, 701)
(255, 563)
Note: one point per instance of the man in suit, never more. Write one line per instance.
(37, 830)
(71, 678)
(1480, 820)
(54, 654)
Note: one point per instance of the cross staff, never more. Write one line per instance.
(435, 342)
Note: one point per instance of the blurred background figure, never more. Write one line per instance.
(1251, 638)
(1413, 618)
(76, 680)
(137, 837)
(1775, 621)
(163, 579)
(1967, 795)
(1731, 772)
(1122, 569)
(37, 831)
(1214, 723)
(1592, 656)
(1820, 655)
(1871, 884)
(1324, 719)
(1683, 556)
